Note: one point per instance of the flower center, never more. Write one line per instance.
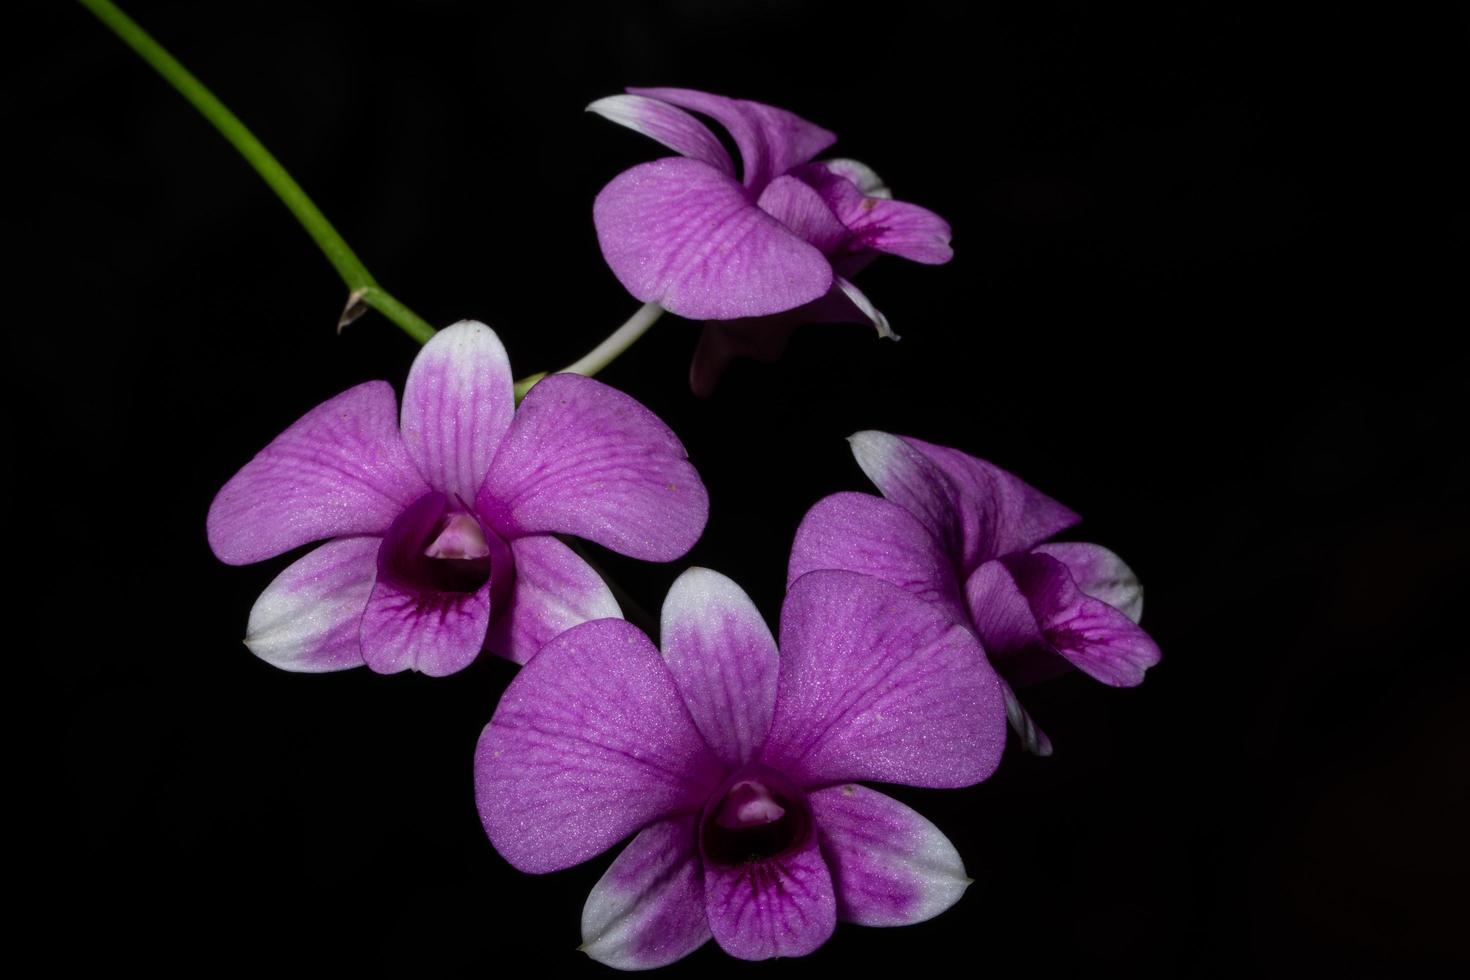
(758, 816)
(435, 547)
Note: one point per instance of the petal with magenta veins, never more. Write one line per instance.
(648, 909)
(801, 209)
(902, 229)
(878, 684)
(590, 742)
(582, 458)
(457, 404)
(771, 140)
(777, 906)
(667, 124)
(341, 469)
(1013, 641)
(679, 233)
(554, 590)
(1101, 574)
(890, 866)
(309, 617)
(723, 658)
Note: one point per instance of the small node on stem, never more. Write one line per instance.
(355, 308)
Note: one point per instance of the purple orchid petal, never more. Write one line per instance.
(590, 742)
(802, 210)
(340, 470)
(878, 684)
(308, 618)
(428, 611)
(891, 866)
(1090, 634)
(1101, 574)
(1002, 617)
(771, 140)
(669, 125)
(1030, 735)
(978, 511)
(858, 532)
(457, 404)
(779, 906)
(679, 233)
(648, 909)
(723, 658)
(875, 220)
(864, 307)
(554, 590)
(860, 175)
(582, 458)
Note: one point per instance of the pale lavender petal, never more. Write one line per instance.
(669, 125)
(780, 906)
(1090, 634)
(679, 233)
(802, 210)
(457, 404)
(554, 590)
(879, 684)
(771, 140)
(858, 532)
(582, 458)
(1030, 735)
(648, 909)
(890, 866)
(1101, 574)
(723, 659)
(864, 306)
(308, 618)
(590, 742)
(340, 470)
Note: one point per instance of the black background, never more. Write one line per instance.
(1208, 287)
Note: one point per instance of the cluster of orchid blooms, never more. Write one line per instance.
(733, 757)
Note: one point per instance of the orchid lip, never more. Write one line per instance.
(757, 815)
(435, 547)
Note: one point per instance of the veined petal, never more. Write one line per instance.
(308, 618)
(771, 140)
(679, 233)
(339, 470)
(902, 229)
(582, 458)
(1101, 574)
(457, 404)
(1090, 634)
(669, 125)
(858, 532)
(723, 658)
(648, 909)
(891, 867)
(780, 906)
(803, 211)
(590, 742)
(878, 684)
(554, 590)
(1013, 641)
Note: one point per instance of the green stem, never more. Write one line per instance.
(365, 290)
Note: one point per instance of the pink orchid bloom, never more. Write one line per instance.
(442, 522)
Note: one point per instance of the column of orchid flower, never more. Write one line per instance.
(733, 761)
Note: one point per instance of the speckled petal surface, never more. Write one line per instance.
(1101, 574)
(878, 684)
(679, 233)
(582, 458)
(802, 210)
(648, 909)
(554, 590)
(308, 618)
(858, 532)
(669, 125)
(589, 743)
(781, 906)
(723, 658)
(435, 633)
(340, 470)
(891, 867)
(457, 404)
(771, 140)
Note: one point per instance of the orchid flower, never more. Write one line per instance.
(972, 539)
(736, 767)
(780, 240)
(441, 523)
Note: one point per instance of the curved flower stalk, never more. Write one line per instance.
(972, 539)
(764, 251)
(442, 522)
(735, 768)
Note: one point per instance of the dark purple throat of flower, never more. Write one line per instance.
(758, 816)
(436, 546)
